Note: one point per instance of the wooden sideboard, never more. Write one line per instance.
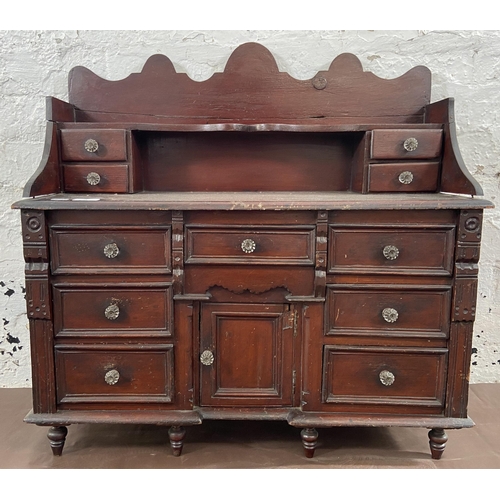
(251, 247)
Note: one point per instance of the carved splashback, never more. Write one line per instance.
(251, 90)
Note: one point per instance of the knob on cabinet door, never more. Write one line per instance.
(207, 358)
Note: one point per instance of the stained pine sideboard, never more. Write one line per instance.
(251, 247)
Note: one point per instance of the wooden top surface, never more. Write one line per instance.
(271, 200)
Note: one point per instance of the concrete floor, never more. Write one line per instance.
(248, 445)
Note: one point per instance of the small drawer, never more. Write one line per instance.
(403, 177)
(112, 311)
(405, 144)
(391, 251)
(271, 245)
(399, 312)
(93, 145)
(384, 376)
(95, 178)
(101, 251)
(114, 373)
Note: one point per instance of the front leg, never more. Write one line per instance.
(176, 434)
(437, 442)
(309, 437)
(57, 438)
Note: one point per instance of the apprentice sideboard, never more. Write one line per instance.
(251, 247)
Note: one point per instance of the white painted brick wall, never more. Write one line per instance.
(35, 64)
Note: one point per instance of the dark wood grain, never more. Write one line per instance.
(253, 87)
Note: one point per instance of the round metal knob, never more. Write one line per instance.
(390, 315)
(93, 178)
(112, 377)
(386, 377)
(207, 358)
(411, 144)
(111, 250)
(405, 177)
(112, 312)
(248, 246)
(390, 252)
(91, 145)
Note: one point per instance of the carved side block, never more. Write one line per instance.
(38, 298)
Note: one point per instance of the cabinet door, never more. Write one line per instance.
(246, 354)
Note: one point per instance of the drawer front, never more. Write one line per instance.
(110, 252)
(403, 177)
(271, 245)
(391, 251)
(405, 144)
(112, 311)
(95, 178)
(401, 312)
(384, 376)
(93, 145)
(114, 374)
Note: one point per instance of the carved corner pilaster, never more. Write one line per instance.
(463, 311)
(39, 311)
(466, 265)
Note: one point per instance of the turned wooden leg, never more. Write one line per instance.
(57, 438)
(309, 440)
(437, 442)
(176, 434)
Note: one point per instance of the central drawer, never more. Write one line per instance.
(276, 245)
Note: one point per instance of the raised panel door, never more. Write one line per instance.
(246, 354)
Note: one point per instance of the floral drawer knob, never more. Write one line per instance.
(386, 377)
(112, 377)
(91, 145)
(390, 315)
(248, 246)
(411, 144)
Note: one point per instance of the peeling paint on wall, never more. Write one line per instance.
(34, 64)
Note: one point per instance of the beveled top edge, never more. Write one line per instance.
(272, 200)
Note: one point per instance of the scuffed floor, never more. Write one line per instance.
(248, 445)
